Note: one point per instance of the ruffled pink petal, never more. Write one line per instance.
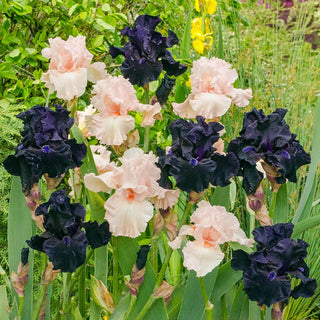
(210, 105)
(215, 225)
(101, 183)
(48, 84)
(166, 198)
(101, 157)
(68, 55)
(212, 75)
(96, 72)
(184, 109)
(138, 169)
(148, 113)
(240, 237)
(69, 84)
(110, 130)
(127, 217)
(184, 231)
(114, 96)
(80, 119)
(240, 97)
(200, 258)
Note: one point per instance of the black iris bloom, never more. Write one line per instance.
(146, 54)
(192, 159)
(44, 147)
(267, 138)
(63, 241)
(268, 272)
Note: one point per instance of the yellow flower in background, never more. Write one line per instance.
(209, 5)
(201, 40)
(196, 27)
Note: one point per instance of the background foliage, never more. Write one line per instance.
(273, 58)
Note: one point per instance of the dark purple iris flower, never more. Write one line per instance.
(192, 159)
(44, 146)
(146, 53)
(63, 241)
(267, 138)
(267, 273)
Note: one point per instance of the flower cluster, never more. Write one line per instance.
(63, 240)
(267, 138)
(70, 67)
(146, 53)
(212, 90)
(129, 209)
(212, 226)
(268, 272)
(113, 98)
(192, 159)
(45, 147)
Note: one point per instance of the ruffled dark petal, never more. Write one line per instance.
(265, 287)
(78, 153)
(171, 66)
(36, 242)
(305, 289)
(97, 235)
(203, 135)
(268, 137)
(251, 177)
(139, 70)
(146, 52)
(67, 254)
(240, 260)
(227, 166)
(269, 236)
(192, 175)
(147, 22)
(288, 161)
(172, 39)
(116, 51)
(61, 217)
(142, 256)
(164, 89)
(44, 125)
(267, 272)
(18, 166)
(181, 144)
(164, 165)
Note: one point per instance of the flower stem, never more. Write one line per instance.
(207, 302)
(164, 266)
(40, 300)
(115, 268)
(154, 254)
(43, 289)
(129, 309)
(147, 129)
(21, 301)
(47, 100)
(80, 269)
(66, 296)
(252, 224)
